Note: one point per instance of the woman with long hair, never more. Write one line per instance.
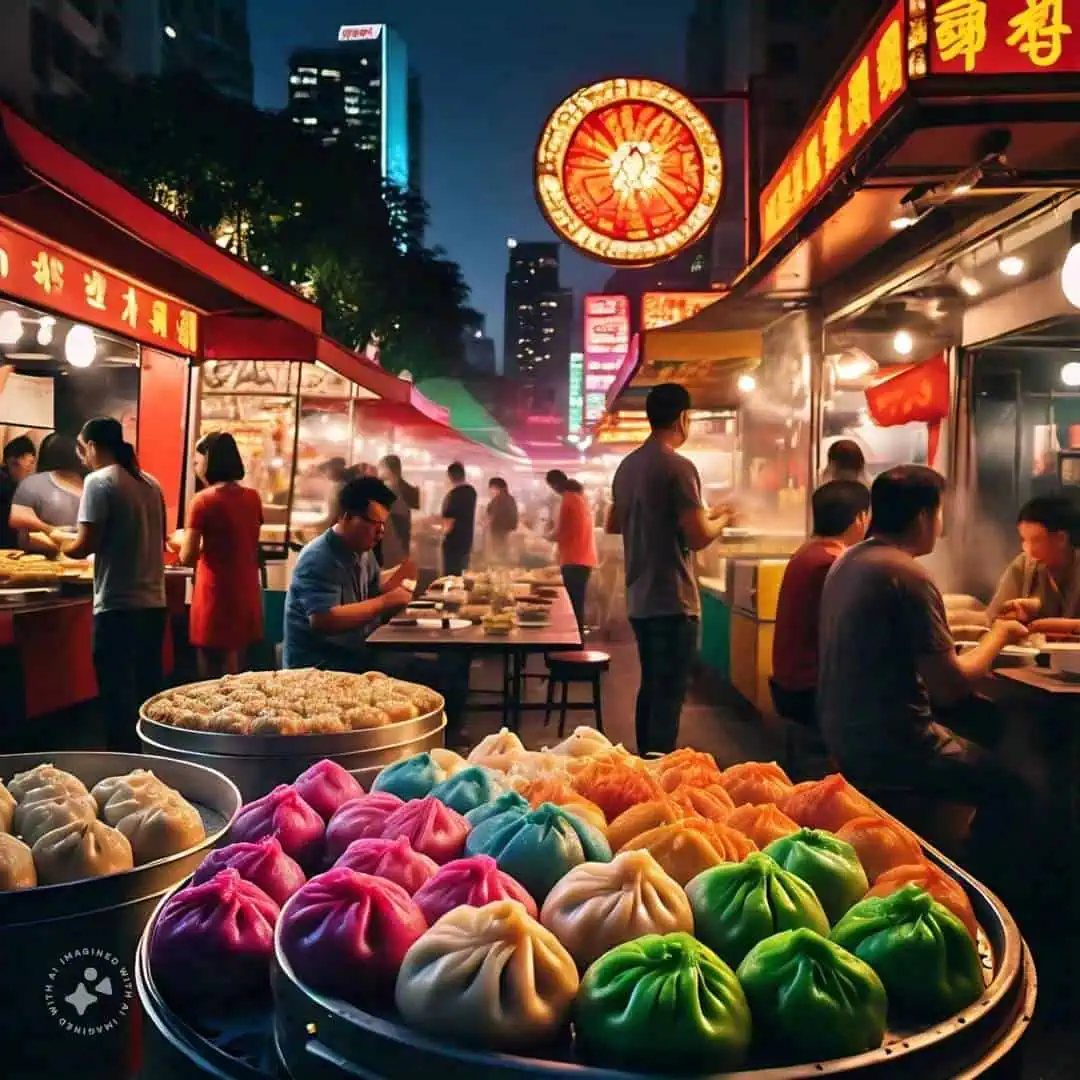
(49, 498)
(222, 542)
(122, 524)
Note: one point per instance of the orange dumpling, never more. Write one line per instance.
(686, 766)
(827, 804)
(686, 848)
(559, 792)
(944, 889)
(640, 819)
(763, 824)
(711, 802)
(881, 845)
(756, 782)
(615, 786)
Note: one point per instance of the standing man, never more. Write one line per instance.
(502, 520)
(459, 522)
(20, 461)
(397, 540)
(575, 540)
(656, 506)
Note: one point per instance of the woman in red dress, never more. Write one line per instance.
(222, 543)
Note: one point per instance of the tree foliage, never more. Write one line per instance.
(318, 218)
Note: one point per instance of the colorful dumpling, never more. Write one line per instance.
(7, 809)
(468, 788)
(600, 905)
(763, 824)
(82, 849)
(561, 793)
(346, 934)
(474, 882)
(394, 860)
(693, 768)
(711, 801)
(499, 751)
(412, 778)
(583, 742)
(539, 847)
(641, 818)
(829, 866)
(16, 864)
(508, 800)
(539, 765)
(827, 804)
(283, 813)
(614, 786)
(432, 828)
(212, 942)
(450, 762)
(326, 787)
(945, 890)
(922, 952)
(684, 757)
(262, 862)
(358, 819)
(812, 1000)
(881, 845)
(736, 905)
(490, 976)
(663, 1002)
(685, 848)
(757, 782)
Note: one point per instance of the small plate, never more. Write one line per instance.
(441, 624)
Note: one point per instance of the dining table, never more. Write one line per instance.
(560, 633)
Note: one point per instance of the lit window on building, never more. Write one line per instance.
(308, 70)
(300, 95)
(330, 73)
(351, 110)
(350, 89)
(294, 79)
(310, 80)
(310, 121)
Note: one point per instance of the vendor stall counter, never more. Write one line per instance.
(753, 591)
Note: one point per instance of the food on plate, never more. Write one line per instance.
(538, 847)
(737, 905)
(432, 828)
(641, 818)
(262, 862)
(552, 789)
(16, 864)
(468, 788)
(498, 623)
(7, 809)
(34, 819)
(212, 943)
(473, 881)
(162, 828)
(600, 905)
(411, 778)
(944, 889)
(474, 612)
(490, 976)
(712, 802)
(880, 844)
(763, 824)
(582, 742)
(497, 751)
(755, 782)
(685, 848)
(663, 1002)
(827, 804)
(47, 779)
(508, 800)
(922, 952)
(81, 849)
(396, 860)
(358, 819)
(326, 787)
(136, 780)
(614, 785)
(346, 934)
(829, 866)
(284, 814)
(811, 999)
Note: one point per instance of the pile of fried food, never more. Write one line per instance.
(302, 701)
(23, 570)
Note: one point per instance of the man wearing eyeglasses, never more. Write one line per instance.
(338, 594)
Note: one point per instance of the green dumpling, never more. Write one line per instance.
(468, 789)
(412, 778)
(830, 867)
(921, 950)
(508, 800)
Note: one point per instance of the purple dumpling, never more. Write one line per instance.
(284, 814)
(262, 862)
(326, 787)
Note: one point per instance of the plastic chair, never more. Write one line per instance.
(564, 668)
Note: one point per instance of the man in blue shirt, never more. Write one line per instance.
(338, 594)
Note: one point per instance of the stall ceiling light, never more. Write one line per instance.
(903, 343)
(1070, 274)
(903, 221)
(10, 328)
(971, 286)
(80, 346)
(1070, 374)
(747, 384)
(1012, 266)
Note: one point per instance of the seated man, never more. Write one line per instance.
(841, 511)
(1043, 581)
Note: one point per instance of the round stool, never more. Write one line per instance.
(564, 668)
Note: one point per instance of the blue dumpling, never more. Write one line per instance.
(507, 802)
(468, 789)
(412, 778)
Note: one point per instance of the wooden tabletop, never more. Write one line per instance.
(561, 634)
(1040, 679)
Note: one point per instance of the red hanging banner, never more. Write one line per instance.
(918, 393)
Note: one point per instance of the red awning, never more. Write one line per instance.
(363, 372)
(417, 419)
(53, 191)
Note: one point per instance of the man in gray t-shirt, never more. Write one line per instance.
(656, 506)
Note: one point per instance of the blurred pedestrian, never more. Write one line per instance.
(459, 522)
(502, 519)
(397, 540)
(574, 537)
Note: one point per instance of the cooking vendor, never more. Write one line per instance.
(1043, 581)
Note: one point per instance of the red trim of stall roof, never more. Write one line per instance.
(255, 337)
(62, 170)
(405, 414)
(356, 369)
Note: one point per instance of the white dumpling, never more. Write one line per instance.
(491, 976)
(498, 751)
(447, 760)
(34, 819)
(583, 742)
(22, 785)
(538, 765)
(7, 809)
(16, 864)
(161, 829)
(136, 780)
(83, 849)
(600, 905)
(127, 800)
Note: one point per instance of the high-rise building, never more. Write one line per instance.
(478, 347)
(359, 92)
(539, 312)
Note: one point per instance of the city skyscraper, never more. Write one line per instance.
(539, 312)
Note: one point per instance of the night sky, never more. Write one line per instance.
(491, 72)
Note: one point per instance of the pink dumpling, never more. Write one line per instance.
(431, 827)
(394, 860)
(326, 786)
(212, 942)
(262, 862)
(284, 814)
(359, 819)
(346, 934)
(471, 882)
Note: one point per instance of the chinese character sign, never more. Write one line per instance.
(1004, 37)
(33, 271)
(607, 341)
(870, 87)
(575, 410)
(667, 309)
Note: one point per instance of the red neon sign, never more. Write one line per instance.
(607, 341)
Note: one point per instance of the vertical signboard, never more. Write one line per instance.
(607, 340)
(575, 407)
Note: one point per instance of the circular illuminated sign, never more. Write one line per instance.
(629, 171)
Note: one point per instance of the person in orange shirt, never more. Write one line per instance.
(576, 541)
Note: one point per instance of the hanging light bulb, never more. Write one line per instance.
(903, 343)
(1070, 374)
(10, 328)
(80, 346)
(1070, 270)
(746, 383)
(45, 331)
